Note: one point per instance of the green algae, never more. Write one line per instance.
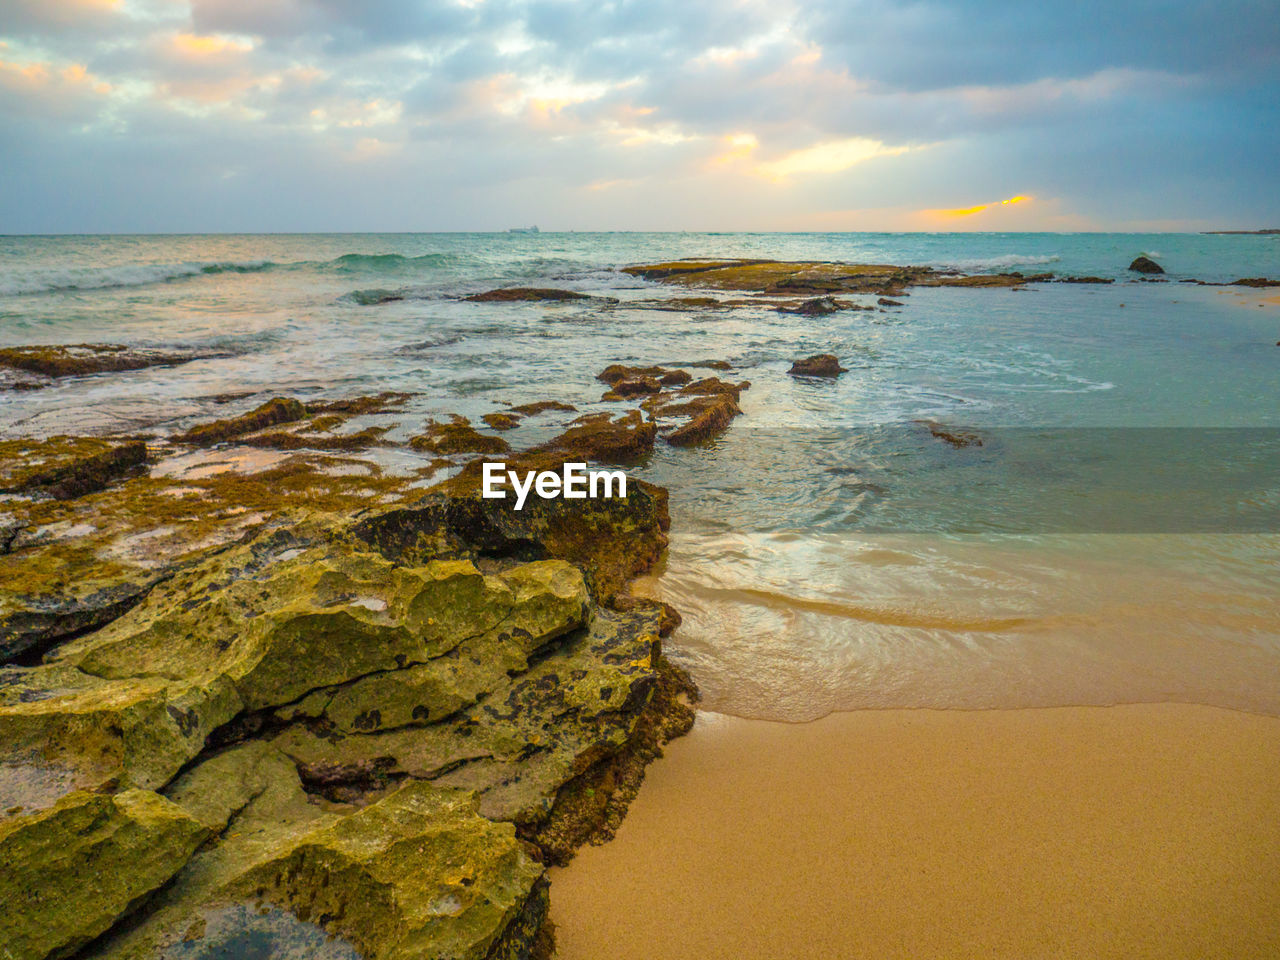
(275, 411)
(525, 295)
(457, 436)
(68, 872)
(81, 359)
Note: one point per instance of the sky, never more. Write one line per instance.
(418, 115)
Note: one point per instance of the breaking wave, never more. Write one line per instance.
(389, 262)
(128, 275)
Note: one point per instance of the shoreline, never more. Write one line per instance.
(1140, 830)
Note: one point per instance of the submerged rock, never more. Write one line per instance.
(600, 438)
(1145, 265)
(543, 406)
(817, 307)
(276, 411)
(81, 359)
(708, 418)
(886, 302)
(502, 421)
(819, 365)
(69, 872)
(954, 437)
(633, 387)
(524, 294)
(77, 477)
(457, 436)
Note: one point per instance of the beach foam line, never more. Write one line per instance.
(1128, 832)
(848, 611)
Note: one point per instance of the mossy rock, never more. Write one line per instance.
(70, 566)
(526, 295)
(275, 411)
(610, 540)
(69, 872)
(457, 436)
(278, 624)
(62, 729)
(529, 735)
(547, 599)
(417, 874)
(81, 359)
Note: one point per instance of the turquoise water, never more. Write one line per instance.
(827, 553)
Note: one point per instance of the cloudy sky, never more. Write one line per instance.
(281, 115)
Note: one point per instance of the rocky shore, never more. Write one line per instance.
(260, 697)
(263, 693)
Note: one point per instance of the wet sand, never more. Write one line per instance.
(1149, 830)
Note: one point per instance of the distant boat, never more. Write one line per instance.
(533, 229)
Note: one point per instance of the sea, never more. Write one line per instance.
(1109, 534)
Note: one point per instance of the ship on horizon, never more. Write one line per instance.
(533, 229)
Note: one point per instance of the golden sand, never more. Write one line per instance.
(1149, 830)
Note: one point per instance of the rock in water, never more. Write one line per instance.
(819, 365)
(69, 872)
(525, 295)
(1145, 265)
(276, 411)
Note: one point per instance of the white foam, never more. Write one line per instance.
(1003, 262)
(126, 275)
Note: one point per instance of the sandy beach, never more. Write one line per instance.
(1148, 830)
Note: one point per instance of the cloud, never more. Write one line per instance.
(723, 113)
(831, 157)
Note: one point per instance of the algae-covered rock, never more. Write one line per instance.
(275, 626)
(819, 365)
(70, 566)
(708, 418)
(549, 598)
(77, 476)
(275, 411)
(80, 359)
(530, 734)
(69, 872)
(502, 421)
(525, 295)
(417, 874)
(457, 436)
(610, 540)
(62, 729)
(543, 406)
(31, 624)
(599, 438)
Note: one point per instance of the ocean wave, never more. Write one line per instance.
(373, 297)
(1002, 262)
(126, 275)
(389, 262)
